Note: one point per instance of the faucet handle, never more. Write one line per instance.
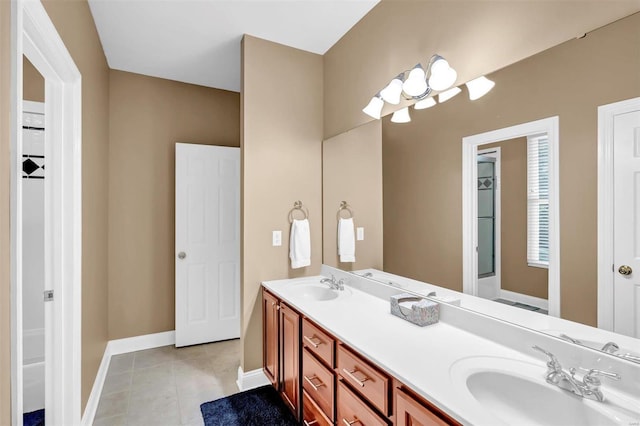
(593, 373)
(552, 358)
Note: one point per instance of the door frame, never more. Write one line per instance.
(551, 126)
(606, 114)
(498, 218)
(34, 36)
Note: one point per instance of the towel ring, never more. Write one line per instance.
(298, 206)
(344, 206)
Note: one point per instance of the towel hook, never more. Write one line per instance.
(298, 206)
(344, 206)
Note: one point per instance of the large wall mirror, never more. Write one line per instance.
(415, 187)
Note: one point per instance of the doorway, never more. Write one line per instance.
(489, 248)
(618, 212)
(35, 37)
(539, 220)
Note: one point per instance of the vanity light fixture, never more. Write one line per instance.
(479, 87)
(425, 103)
(446, 95)
(401, 116)
(442, 76)
(393, 91)
(415, 84)
(374, 108)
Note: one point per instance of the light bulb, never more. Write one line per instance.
(374, 108)
(415, 84)
(392, 92)
(425, 103)
(445, 96)
(479, 87)
(401, 116)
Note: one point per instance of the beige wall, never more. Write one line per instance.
(147, 117)
(515, 273)
(5, 186)
(32, 83)
(281, 162)
(477, 37)
(422, 160)
(75, 25)
(353, 161)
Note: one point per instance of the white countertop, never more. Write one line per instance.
(426, 358)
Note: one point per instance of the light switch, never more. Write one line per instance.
(360, 233)
(276, 239)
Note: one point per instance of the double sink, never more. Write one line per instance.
(508, 391)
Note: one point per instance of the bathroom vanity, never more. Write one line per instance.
(338, 357)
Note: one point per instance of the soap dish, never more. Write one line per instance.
(415, 309)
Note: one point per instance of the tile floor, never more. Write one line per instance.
(165, 386)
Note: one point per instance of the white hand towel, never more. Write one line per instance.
(346, 240)
(300, 244)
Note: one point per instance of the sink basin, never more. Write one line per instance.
(316, 291)
(515, 392)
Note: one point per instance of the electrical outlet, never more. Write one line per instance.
(360, 233)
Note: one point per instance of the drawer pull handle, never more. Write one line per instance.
(352, 422)
(351, 375)
(311, 423)
(315, 341)
(311, 380)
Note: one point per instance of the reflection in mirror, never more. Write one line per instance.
(415, 198)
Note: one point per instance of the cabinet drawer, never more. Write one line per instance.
(311, 413)
(318, 381)
(353, 411)
(366, 380)
(318, 342)
(410, 411)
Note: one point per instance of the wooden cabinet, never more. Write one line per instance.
(312, 415)
(270, 338)
(318, 382)
(410, 412)
(290, 357)
(352, 410)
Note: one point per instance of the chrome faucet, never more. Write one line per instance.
(588, 387)
(333, 283)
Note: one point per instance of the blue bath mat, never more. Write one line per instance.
(255, 407)
(35, 418)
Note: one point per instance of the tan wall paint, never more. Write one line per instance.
(32, 82)
(281, 162)
(353, 161)
(147, 117)
(5, 220)
(477, 37)
(74, 22)
(516, 274)
(422, 160)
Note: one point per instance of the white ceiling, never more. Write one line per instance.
(198, 41)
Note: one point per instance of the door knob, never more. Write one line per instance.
(182, 255)
(625, 270)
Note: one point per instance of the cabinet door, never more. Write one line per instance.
(270, 360)
(412, 413)
(290, 356)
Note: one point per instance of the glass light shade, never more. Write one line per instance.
(425, 103)
(401, 116)
(416, 83)
(439, 65)
(374, 108)
(442, 80)
(479, 87)
(445, 96)
(392, 92)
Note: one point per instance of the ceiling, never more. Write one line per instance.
(198, 41)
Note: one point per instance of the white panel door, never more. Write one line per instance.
(626, 148)
(207, 243)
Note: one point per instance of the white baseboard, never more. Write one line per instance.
(94, 398)
(140, 343)
(523, 298)
(117, 347)
(251, 379)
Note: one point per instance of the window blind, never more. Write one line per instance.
(538, 201)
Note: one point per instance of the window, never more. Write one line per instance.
(538, 201)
